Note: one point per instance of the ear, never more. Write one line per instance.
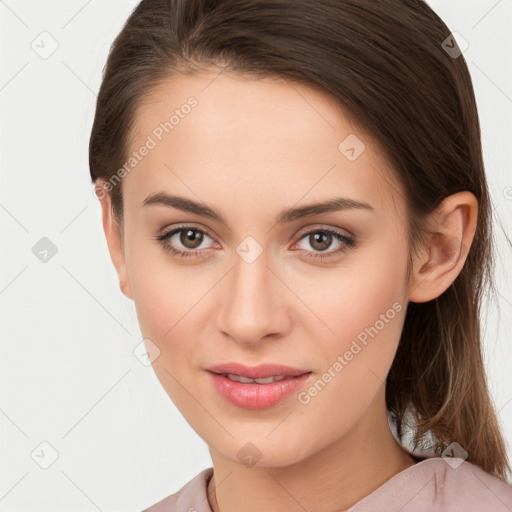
(440, 262)
(114, 239)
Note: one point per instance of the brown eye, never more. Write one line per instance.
(184, 241)
(191, 238)
(320, 240)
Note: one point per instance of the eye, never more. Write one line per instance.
(189, 237)
(322, 239)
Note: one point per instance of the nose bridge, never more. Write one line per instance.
(251, 305)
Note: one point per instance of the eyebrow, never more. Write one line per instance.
(288, 215)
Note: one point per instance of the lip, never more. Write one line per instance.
(257, 372)
(257, 396)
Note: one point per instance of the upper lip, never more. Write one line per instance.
(257, 372)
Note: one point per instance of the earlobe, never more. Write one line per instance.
(439, 264)
(114, 242)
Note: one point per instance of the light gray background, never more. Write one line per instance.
(68, 373)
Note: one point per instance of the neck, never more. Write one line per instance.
(332, 480)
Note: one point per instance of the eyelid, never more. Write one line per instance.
(325, 227)
(184, 226)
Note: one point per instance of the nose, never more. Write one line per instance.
(252, 302)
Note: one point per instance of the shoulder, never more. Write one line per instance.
(192, 497)
(469, 486)
(443, 485)
(472, 479)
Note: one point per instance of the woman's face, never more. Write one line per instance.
(251, 286)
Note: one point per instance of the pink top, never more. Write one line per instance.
(430, 485)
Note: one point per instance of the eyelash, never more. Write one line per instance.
(347, 242)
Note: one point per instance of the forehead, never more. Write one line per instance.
(242, 139)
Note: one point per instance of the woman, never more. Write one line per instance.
(294, 197)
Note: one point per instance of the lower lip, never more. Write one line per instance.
(256, 396)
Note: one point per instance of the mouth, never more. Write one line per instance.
(247, 380)
(257, 374)
(259, 387)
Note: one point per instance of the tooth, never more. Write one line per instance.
(239, 378)
(268, 380)
(247, 380)
(265, 380)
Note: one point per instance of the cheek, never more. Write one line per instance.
(362, 308)
(346, 301)
(167, 301)
(351, 383)
(170, 300)
(163, 291)
(155, 302)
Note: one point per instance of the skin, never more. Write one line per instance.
(248, 150)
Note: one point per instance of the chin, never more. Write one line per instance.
(261, 451)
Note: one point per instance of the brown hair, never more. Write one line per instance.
(387, 63)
